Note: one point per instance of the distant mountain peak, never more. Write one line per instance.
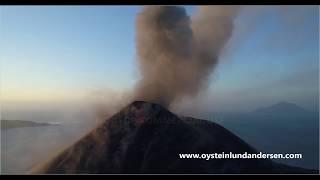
(284, 103)
(282, 107)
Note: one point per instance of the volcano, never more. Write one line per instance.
(146, 138)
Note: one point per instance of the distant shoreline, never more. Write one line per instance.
(10, 124)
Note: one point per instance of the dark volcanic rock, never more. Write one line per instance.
(147, 138)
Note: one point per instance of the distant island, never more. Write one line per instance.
(282, 108)
(9, 124)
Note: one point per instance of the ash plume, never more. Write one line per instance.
(176, 53)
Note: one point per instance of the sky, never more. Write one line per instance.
(65, 53)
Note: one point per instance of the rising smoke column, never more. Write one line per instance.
(176, 54)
